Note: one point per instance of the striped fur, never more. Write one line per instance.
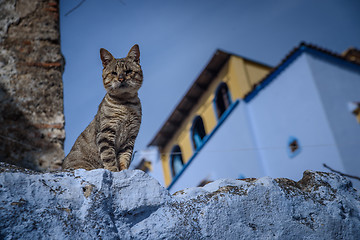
(109, 139)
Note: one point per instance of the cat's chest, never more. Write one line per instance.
(124, 117)
(121, 112)
(127, 124)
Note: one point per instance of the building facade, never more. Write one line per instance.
(251, 121)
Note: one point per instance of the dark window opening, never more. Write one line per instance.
(197, 132)
(176, 160)
(222, 99)
(354, 108)
(144, 165)
(293, 147)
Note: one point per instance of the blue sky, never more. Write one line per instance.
(177, 39)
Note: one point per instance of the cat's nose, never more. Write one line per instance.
(121, 78)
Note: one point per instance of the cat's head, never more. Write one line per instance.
(123, 75)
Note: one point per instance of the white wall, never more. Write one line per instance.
(290, 106)
(229, 153)
(338, 84)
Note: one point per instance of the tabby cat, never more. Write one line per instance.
(108, 141)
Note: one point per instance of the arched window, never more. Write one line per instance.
(176, 161)
(222, 99)
(197, 132)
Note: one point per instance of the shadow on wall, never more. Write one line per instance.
(31, 92)
(21, 143)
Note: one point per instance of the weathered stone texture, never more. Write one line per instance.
(31, 92)
(100, 204)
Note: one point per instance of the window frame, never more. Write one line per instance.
(293, 153)
(198, 128)
(225, 96)
(175, 151)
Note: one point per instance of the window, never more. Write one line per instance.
(354, 108)
(144, 165)
(222, 99)
(176, 161)
(293, 147)
(197, 132)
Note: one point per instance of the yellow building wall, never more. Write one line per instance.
(166, 169)
(239, 75)
(238, 83)
(256, 72)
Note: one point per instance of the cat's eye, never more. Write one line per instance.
(128, 71)
(114, 73)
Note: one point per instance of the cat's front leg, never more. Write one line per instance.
(124, 155)
(105, 140)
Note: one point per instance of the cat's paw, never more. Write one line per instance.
(113, 169)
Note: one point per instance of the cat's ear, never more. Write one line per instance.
(134, 53)
(105, 56)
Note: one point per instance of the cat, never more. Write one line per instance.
(108, 141)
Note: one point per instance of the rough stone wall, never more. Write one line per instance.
(100, 204)
(31, 92)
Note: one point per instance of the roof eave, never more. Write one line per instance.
(191, 97)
